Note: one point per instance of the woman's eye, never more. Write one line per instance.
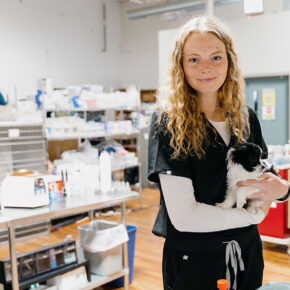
(193, 60)
(217, 58)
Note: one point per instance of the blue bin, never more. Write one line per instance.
(131, 249)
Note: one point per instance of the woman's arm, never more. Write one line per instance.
(188, 215)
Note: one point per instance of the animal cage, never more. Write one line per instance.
(23, 146)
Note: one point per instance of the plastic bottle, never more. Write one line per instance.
(105, 172)
(222, 284)
(77, 183)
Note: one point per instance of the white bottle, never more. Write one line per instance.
(105, 172)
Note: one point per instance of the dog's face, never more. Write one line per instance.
(248, 155)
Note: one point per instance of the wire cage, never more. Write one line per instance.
(22, 147)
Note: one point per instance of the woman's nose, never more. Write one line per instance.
(206, 66)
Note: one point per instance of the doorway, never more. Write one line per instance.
(268, 97)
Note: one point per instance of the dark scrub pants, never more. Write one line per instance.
(200, 267)
(195, 261)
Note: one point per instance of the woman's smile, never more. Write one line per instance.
(206, 80)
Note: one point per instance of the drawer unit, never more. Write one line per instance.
(276, 223)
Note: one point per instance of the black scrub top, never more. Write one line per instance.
(208, 174)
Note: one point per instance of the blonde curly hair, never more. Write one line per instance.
(178, 104)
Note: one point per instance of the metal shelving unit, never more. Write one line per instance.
(97, 281)
(135, 134)
(71, 205)
(88, 136)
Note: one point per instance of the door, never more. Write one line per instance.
(268, 97)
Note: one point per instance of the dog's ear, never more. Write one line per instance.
(248, 155)
(254, 150)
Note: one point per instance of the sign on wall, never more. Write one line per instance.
(268, 104)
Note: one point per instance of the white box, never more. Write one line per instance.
(107, 262)
(25, 189)
(73, 279)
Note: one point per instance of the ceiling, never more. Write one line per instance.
(168, 8)
(148, 3)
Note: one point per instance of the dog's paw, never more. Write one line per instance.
(252, 210)
(222, 205)
(240, 203)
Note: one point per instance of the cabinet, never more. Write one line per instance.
(275, 228)
(70, 205)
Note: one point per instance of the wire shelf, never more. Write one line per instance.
(22, 147)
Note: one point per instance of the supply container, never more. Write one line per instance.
(131, 229)
(102, 243)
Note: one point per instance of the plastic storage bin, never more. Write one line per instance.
(102, 243)
(131, 229)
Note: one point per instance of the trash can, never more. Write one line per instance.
(131, 229)
(102, 242)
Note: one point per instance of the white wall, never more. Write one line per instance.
(141, 62)
(61, 39)
(139, 53)
(263, 44)
(139, 50)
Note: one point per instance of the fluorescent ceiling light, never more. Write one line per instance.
(253, 7)
(186, 5)
(137, 1)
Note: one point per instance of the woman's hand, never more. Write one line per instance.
(270, 187)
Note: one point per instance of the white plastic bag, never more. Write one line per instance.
(102, 235)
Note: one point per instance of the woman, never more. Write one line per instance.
(201, 112)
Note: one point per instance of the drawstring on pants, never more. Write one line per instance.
(233, 256)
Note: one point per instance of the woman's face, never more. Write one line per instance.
(205, 63)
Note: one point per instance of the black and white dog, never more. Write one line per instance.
(244, 162)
